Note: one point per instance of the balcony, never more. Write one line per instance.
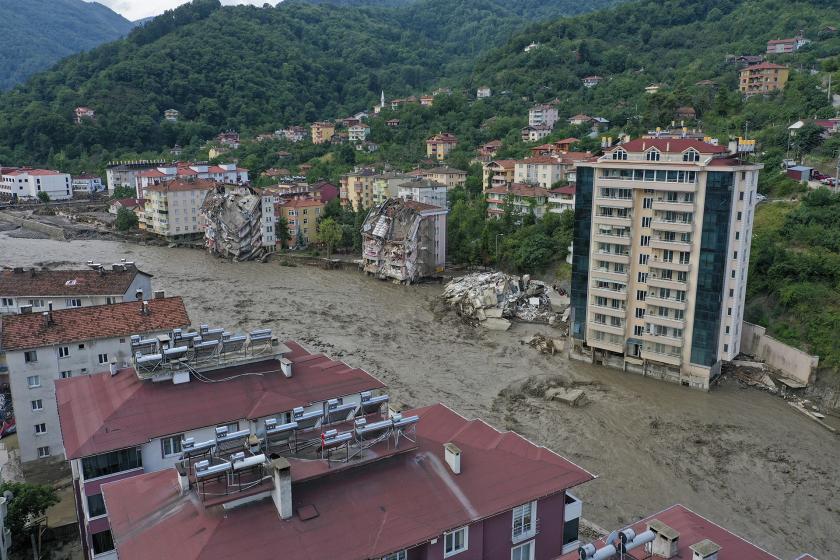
(670, 303)
(653, 185)
(664, 206)
(655, 281)
(613, 202)
(608, 293)
(603, 344)
(679, 227)
(670, 245)
(653, 338)
(658, 262)
(612, 257)
(608, 275)
(607, 328)
(608, 238)
(670, 359)
(664, 321)
(613, 220)
(606, 310)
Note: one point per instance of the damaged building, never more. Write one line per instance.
(235, 226)
(404, 240)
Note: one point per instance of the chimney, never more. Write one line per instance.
(705, 550)
(159, 294)
(49, 306)
(452, 454)
(144, 309)
(113, 368)
(47, 320)
(183, 478)
(138, 294)
(286, 366)
(282, 492)
(665, 542)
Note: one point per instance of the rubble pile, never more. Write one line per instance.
(493, 299)
(546, 345)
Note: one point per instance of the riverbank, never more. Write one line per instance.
(732, 454)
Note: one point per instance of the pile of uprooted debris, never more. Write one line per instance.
(494, 299)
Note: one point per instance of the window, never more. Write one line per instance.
(741, 195)
(31, 356)
(739, 216)
(96, 506)
(102, 542)
(640, 312)
(103, 358)
(726, 348)
(737, 235)
(729, 311)
(37, 405)
(679, 314)
(646, 222)
(731, 292)
(524, 551)
(171, 445)
(111, 463)
(36, 302)
(727, 329)
(523, 519)
(43, 451)
(638, 330)
(81, 346)
(643, 259)
(63, 351)
(232, 427)
(691, 155)
(645, 241)
(641, 295)
(642, 278)
(647, 202)
(401, 555)
(733, 274)
(66, 374)
(33, 381)
(455, 542)
(73, 302)
(619, 154)
(8, 302)
(40, 428)
(652, 155)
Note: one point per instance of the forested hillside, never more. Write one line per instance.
(246, 67)
(38, 33)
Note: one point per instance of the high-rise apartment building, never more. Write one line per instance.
(661, 251)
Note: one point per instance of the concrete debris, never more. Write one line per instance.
(546, 345)
(572, 397)
(234, 226)
(483, 296)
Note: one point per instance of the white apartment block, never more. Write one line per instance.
(543, 171)
(32, 291)
(661, 252)
(87, 184)
(59, 344)
(173, 208)
(223, 173)
(124, 173)
(542, 115)
(268, 220)
(427, 192)
(27, 184)
(358, 133)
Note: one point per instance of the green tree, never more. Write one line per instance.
(43, 197)
(124, 192)
(281, 231)
(28, 501)
(330, 234)
(126, 219)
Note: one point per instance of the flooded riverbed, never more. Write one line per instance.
(741, 457)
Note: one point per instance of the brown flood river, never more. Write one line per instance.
(741, 457)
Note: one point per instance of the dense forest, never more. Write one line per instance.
(39, 33)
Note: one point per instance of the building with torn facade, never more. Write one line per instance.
(404, 240)
(235, 225)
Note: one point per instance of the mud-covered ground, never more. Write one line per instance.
(741, 457)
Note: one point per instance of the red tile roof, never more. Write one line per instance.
(420, 206)
(364, 512)
(302, 203)
(91, 323)
(101, 413)
(55, 283)
(667, 145)
(694, 528)
(129, 202)
(519, 189)
(503, 163)
(568, 189)
(764, 66)
(540, 160)
(181, 185)
(152, 173)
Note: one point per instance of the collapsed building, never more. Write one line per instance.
(234, 223)
(404, 240)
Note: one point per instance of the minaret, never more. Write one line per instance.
(382, 99)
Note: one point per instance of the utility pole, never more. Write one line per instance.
(837, 174)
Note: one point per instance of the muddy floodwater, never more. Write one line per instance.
(741, 457)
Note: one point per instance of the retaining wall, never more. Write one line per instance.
(794, 362)
(54, 232)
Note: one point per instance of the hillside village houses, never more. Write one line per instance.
(535, 133)
(422, 190)
(64, 343)
(542, 115)
(440, 145)
(483, 92)
(541, 170)
(786, 46)
(223, 173)
(32, 291)
(445, 175)
(228, 139)
(293, 134)
(591, 81)
(302, 218)
(498, 173)
(81, 114)
(124, 173)
(524, 199)
(385, 185)
(763, 78)
(358, 132)
(87, 183)
(130, 203)
(25, 183)
(488, 151)
(171, 115)
(562, 199)
(322, 132)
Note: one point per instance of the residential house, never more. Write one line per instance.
(173, 208)
(302, 218)
(404, 240)
(674, 309)
(358, 132)
(786, 46)
(498, 173)
(440, 145)
(83, 113)
(236, 224)
(445, 175)
(561, 199)
(580, 119)
(397, 103)
(124, 173)
(393, 123)
(228, 139)
(357, 188)
(171, 115)
(25, 183)
(87, 184)
(422, 190)
(215, 152)
(427, 100)
(525, 199)
(591, 81)
(535, 133)
(292, 134)
(367, 146)
(276, 173)
(745, 59)
(653, 88)
(565, 145)
(531, 46)
(679, 533)
(488, 151)
(227, 173)
(763, 78)
(542, 115)
(385, 186)
(543, 171)
(150, 416)
(322, 132)
(264, 137)
(483, 92)
(63, 343)
(130, 203)
(442, 91)
(31, 291)
(324, 191)
(685, 113)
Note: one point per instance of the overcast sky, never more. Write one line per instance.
(137, 9)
